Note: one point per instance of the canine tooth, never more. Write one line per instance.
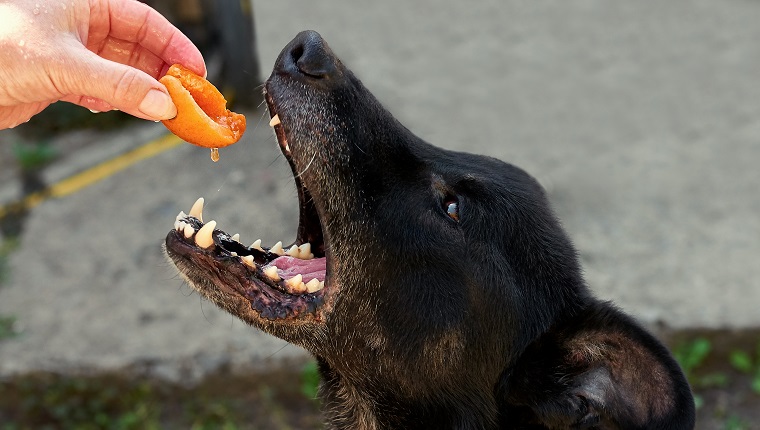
(295, 284)
(204, 237)
(248, 259)
(314, 285)
(304, 252)
(188, 231)
(271, 272)
(197, 209)
(274, 121)
(277, 248)
(257, 245)
(293, 251)
(236, 237)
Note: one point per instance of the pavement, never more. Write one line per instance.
(642, 120)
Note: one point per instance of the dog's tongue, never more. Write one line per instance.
(288, 266)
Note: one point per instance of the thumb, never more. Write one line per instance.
(123, 87)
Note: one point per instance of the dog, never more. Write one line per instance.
(436, 289)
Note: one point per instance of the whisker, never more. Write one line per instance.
(307, 166)
(359, 148)
(263, 114)
(278, 351)
(202, 311)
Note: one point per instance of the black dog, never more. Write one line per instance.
(437, 289)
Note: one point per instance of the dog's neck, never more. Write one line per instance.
(362, 406)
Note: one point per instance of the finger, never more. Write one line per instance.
(93, 104)
(11, 116)
(132, 54)
(121, 86)
(133, 21)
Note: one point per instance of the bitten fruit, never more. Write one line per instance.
(202, 115)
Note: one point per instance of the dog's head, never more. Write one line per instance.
(423, 271)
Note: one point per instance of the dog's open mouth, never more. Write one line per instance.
(280, 281)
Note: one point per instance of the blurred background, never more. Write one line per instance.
(641, 119)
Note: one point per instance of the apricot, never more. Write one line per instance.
(202, 115)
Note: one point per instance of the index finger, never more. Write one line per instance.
(136, 22)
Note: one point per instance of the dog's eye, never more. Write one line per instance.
(451, 205)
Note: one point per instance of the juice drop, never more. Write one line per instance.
(214, 154)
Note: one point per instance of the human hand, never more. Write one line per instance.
(100, 54)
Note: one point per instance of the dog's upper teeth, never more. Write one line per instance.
(236, 237)
(204, 237)
(274, 121)
(181, 215)
(257, 245)
(293, 251)
(197, 209)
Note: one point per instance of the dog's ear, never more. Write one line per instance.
(600, 370)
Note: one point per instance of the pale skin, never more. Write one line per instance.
(99, 54)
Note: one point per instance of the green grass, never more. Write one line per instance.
(733, 371)
(744, 362)
(7, 322)
(7, 329)
(34, 156)
(261, 401)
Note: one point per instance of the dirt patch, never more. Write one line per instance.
(273, 400)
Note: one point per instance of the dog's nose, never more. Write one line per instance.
(308, 55)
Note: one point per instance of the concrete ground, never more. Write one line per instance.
(642, 119)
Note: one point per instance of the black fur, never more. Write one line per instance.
(474, 319)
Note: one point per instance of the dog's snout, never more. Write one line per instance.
(308, 56)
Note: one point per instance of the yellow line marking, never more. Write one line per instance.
(94, 174)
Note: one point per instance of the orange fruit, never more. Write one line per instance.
(202, 115)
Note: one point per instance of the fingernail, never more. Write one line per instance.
(158, 104)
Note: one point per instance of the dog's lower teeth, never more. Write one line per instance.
(304, 252)
(274, 121)
(204, 238)
(277, 249)
(248, 259)
(197, 209)
(314, 285)
(295, 285)
(271, 273)
(188, 231)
